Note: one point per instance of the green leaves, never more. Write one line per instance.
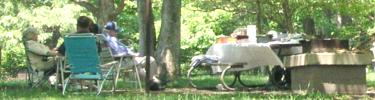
(20, 14)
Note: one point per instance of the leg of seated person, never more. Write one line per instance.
(141, 63)
(127, 63)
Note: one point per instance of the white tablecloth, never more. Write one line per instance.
(255, 55)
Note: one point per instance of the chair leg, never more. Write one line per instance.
(138, 78)
(100, 87)
(34, 78)
(38, 78)
(65, 85)
(137, 74)
(57, 76)
(29, 77)
(117, 74)
(110, 71)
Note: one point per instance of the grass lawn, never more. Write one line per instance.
(176, 90)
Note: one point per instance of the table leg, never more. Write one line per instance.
(189, 77)
(222, 78)
(236, 77)
(61, 70)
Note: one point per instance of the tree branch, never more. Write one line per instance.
(90, 7)
(119, 8)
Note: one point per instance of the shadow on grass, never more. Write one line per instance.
(18, 90)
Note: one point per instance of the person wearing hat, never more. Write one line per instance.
(119, 49)
(38, 53)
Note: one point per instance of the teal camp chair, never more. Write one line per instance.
(83, 60)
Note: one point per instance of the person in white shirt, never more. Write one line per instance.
(37, 52)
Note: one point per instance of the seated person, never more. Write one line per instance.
(84, 25)
(38, 53)
(119, 49)
(240, 35)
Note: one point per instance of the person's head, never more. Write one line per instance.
(111, 27)
(31, 33)
(83, 23)
(94, 28)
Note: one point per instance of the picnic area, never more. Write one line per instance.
(187, 49)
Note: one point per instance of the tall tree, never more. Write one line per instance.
(259, 16)
(168, 48)
(103, 10)
(1, 47)
(287, 16)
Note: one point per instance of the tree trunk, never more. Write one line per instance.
(338, 21)
(104, 14)
(142, 28)
(259, 17)
(52, 42)
(0, 53)
(168, 49)
(287, 16)
(104, 10)
(347, 20)
(308, 26)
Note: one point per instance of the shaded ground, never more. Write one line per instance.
(213, 90)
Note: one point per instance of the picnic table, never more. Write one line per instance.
(238, 57)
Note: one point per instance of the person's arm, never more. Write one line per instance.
(39, 49)
(128, 50)
(61, 49)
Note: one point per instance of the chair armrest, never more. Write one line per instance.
(109, 64)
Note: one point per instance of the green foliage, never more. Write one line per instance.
(41, 14)
(128, 22)
(13, 54)
(325, 14)
(195, 45)
(197, 33)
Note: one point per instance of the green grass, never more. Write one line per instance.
(370, 78)
(19, 90)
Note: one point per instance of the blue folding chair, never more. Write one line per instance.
(83, 60)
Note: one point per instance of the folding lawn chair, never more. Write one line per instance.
(84, 62)
(107, 55)
(35, 78)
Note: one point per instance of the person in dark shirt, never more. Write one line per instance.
(83, 26)
(94, 28)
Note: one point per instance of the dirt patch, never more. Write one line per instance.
(20, 76)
